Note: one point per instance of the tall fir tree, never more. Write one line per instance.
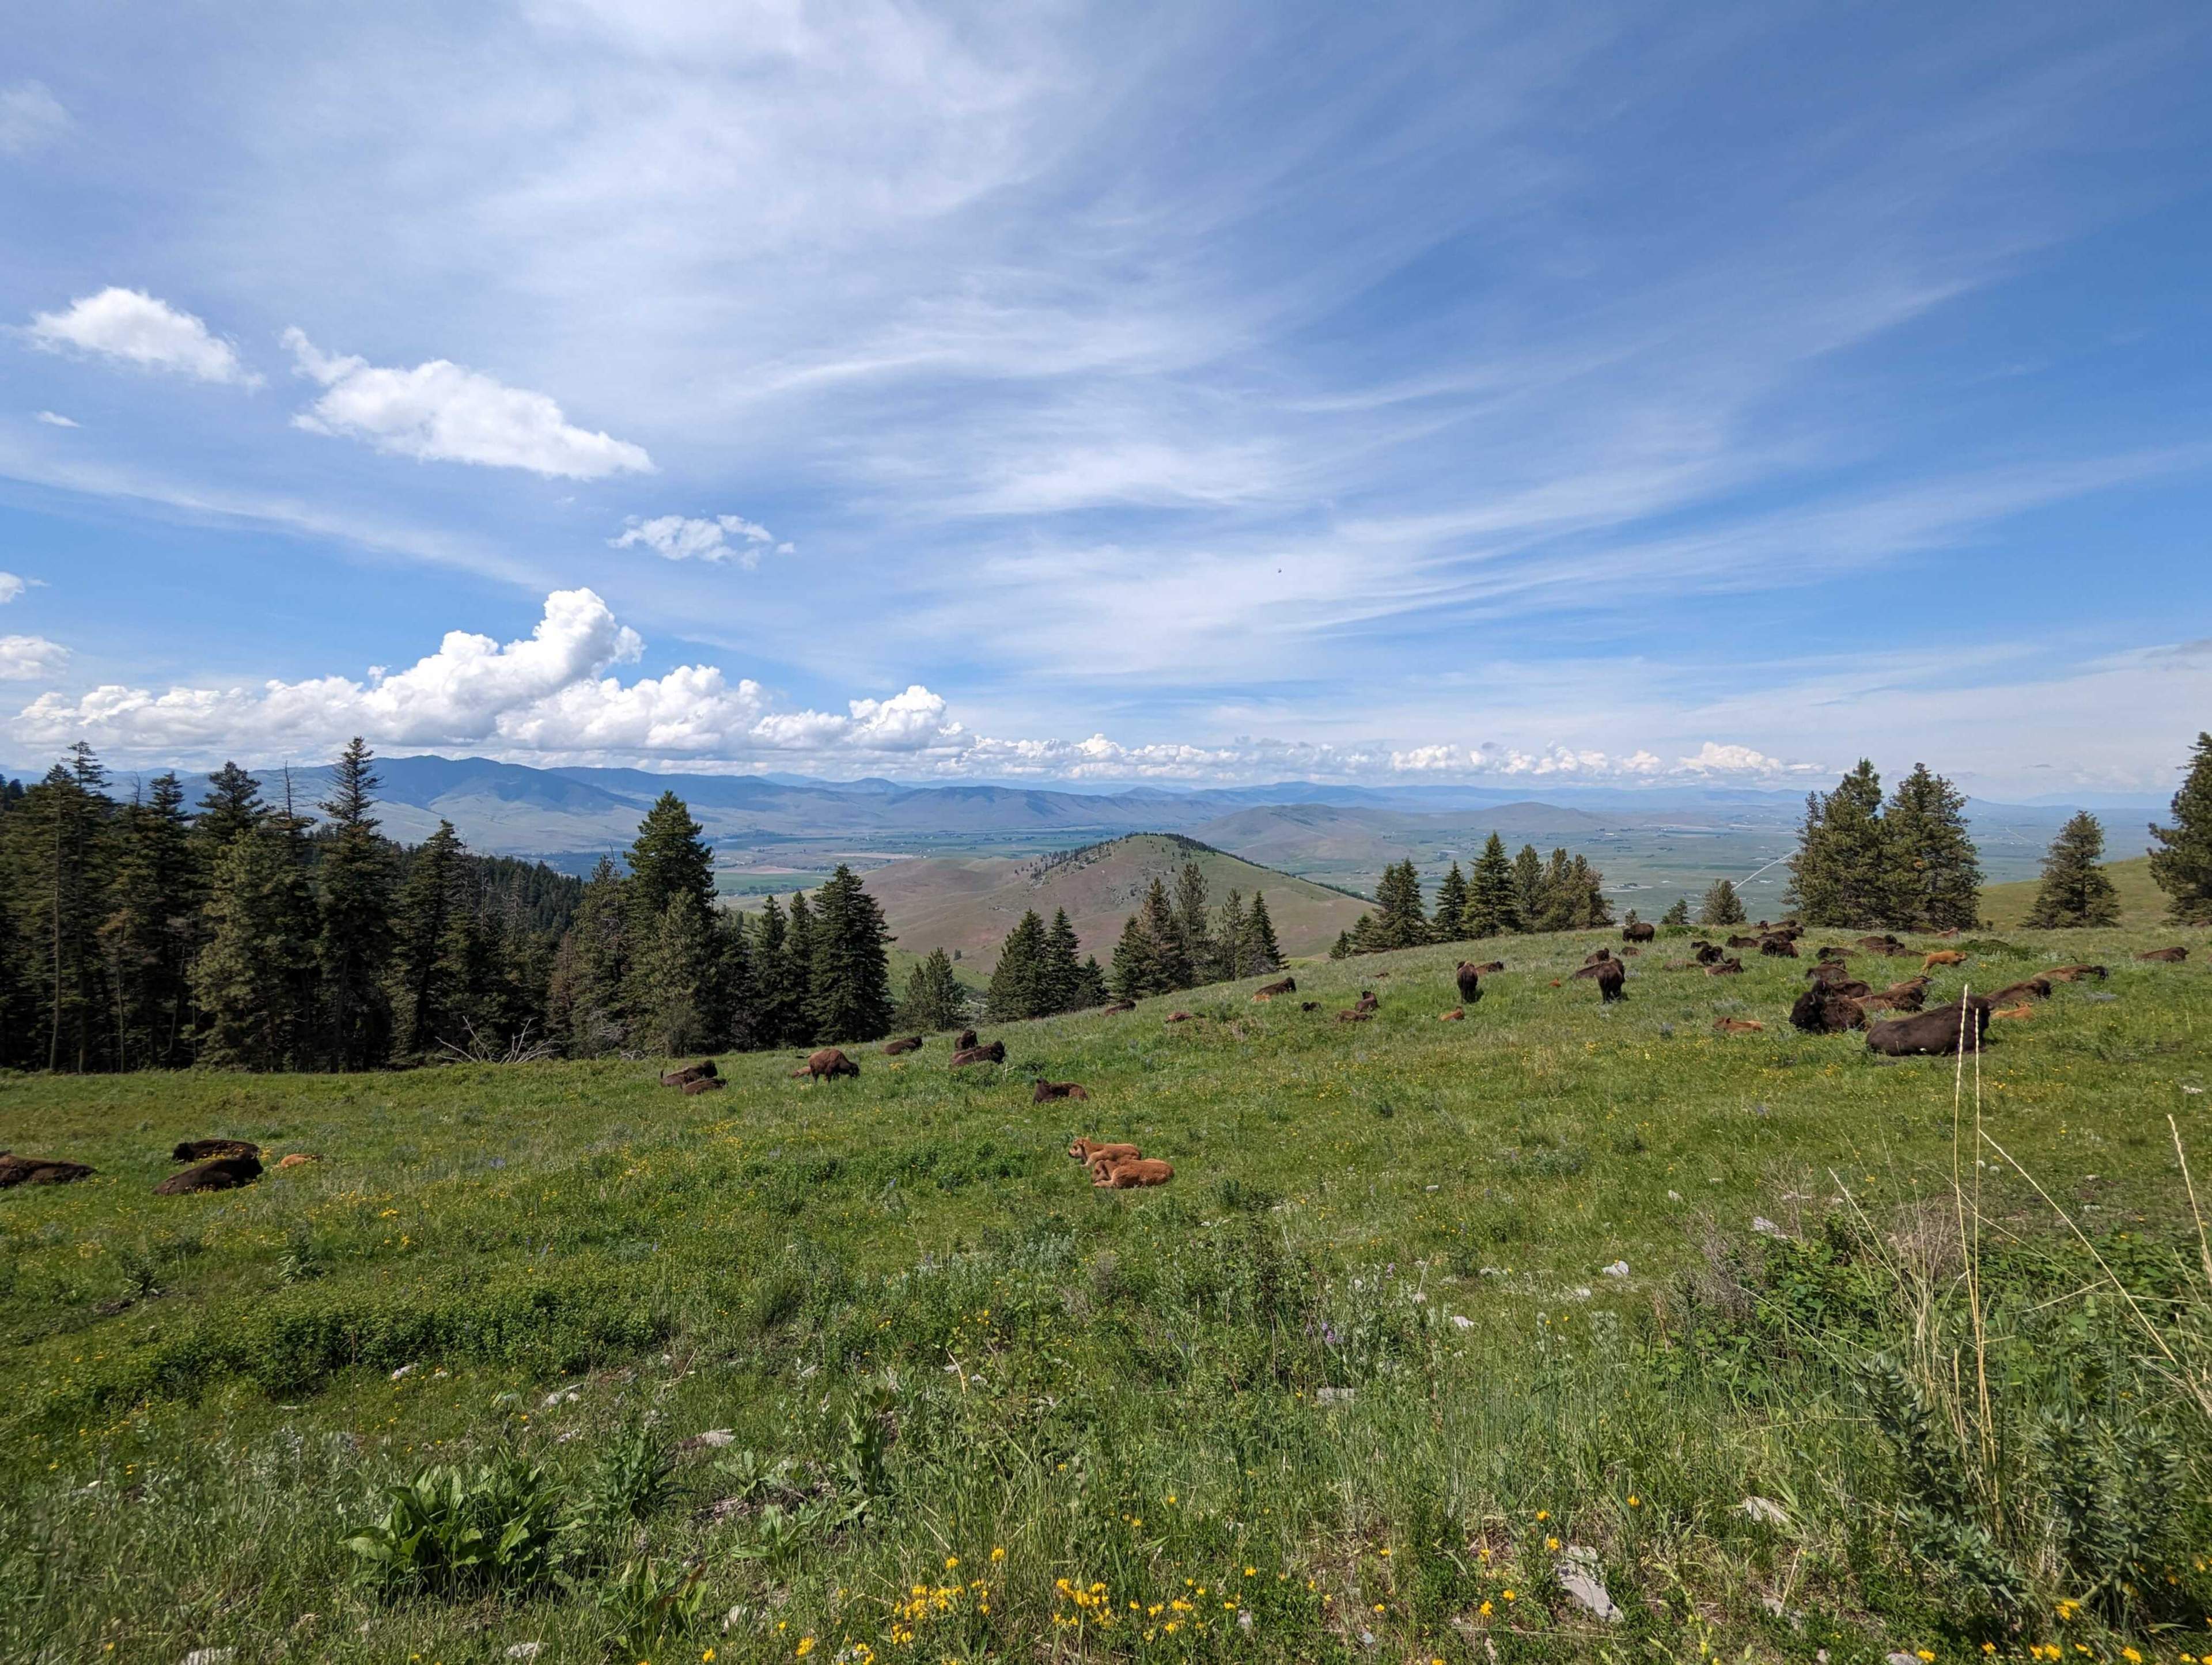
(1449, 921)
(672, 994)
(587, 1011)
(1586, 893)
(934, 999)
(1935, 870)
(799, 960)
(59, 835)
(1229, 939)
(1171, 947)
(1529, 890)
(734, 1014)
(1194, 926)
(2182, 864)
(1136, 974)
(429, 957)
(1262, 953)
(1493, 898)
(1400, 920)
(1062, 978)
(1678, 911)
(1558, 903)
(1090, 985)
(670, 858)
(1841, 874)
(153, 930)
(1018, 981)
(780, 1015)
(1721, 904)
(849, 991)
(354, 944)
(255, 980)
(2075, 890)
(231, 806)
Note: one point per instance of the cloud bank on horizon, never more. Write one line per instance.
(1540, 396)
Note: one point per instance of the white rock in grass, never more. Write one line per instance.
(1904, 1659)
(1618, 1269)
(525, 1650)
(1333, 1396)
(715, 1437)
(1673, 1196)
(1766, 1228)
(1579, 1576)
(210, 1656)
(1461, 1321)
(1765, 1510)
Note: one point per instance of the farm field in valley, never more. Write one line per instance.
(1428, 1307)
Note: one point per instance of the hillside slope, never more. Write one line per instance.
(970, 903)
(2142, 902)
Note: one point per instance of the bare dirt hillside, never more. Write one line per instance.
(969, 904)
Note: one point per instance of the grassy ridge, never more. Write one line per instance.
(2142, 904)
(1362, 1345)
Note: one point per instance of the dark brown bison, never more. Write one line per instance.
(1048, 1091)
(1612, 978)
(1599, 957)
(1932, 1034)
(1352, 1014)
(1706, 953)
(1368, 1002)
(700, 1084)
(994, 1054)
(2165, 955)
(902, 1045)
(2035, 988)
(1822, 1011)
(1469, 981)
(1112, 1011)
(1642, 930)
(967, 1040)
(1281, 986)
(2075, 973)
(38, 1170)
(222, 1174)
(703, 1071)
(1884, 943)
(199, 1149)
(1830, 951)
(1737, 939)
(1783, 948)
(824, 1064)
(1730, 966)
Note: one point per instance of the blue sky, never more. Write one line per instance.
(1197, 393)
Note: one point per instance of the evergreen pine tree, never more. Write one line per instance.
(733, 1019)
(934, 999)
(1449, 921)
(1018, 981)
(255, 980)
(1342, 947)
(59, 835)
(1172, 968)
(354, 943)
(1192, 927)
(670, 858)
(152, 931)
(587, 1011)
(849, 982)
(1139, 968)
(799, 960)
(1493, 897)
(1229, 940)
(1399, 920)
(2075, 890)
(1586, 891)
(1558, 903)
(672, 979)
(1841, 874)
(1721, 905)
(777, 1011)
(1678, 911)
(1934, 872)
(1529, 890)
(1090, 985)
(2182, 867)
(1061, 981)
(430, 973)
(1261, 953)
(232, 805)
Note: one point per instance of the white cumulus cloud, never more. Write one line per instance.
(133, 328)
(55, 419)
(440, 411)
(1716, 759)
(683, 538)
(23, 658)
(31, 118)
(11, 586)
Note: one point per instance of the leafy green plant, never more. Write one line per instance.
(636, 1474)
(651, 1602)
(454, 1531)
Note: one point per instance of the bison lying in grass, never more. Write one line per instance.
(1823, 1010)
(1130, 1173)
(1932, 1034)
(223, 1173)
(904, 1043)
(199, 1149)
(1048, 1091)
(1281, 986)
(38, 1170)
(2164, 955)
(994, 1054)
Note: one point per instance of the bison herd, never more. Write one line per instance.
(209, 1165)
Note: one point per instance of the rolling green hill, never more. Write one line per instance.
(2142, 902)
(971, 902)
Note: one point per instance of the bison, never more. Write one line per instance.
(1881, 945)
(693, 1088)
(703, 1071)
(1112, 1011)
(994, 1054)
(1088, 1151)
(2075, 973)
(824, 1064)
(2023, 1010)
(2164, 955)
(2035, 988)
(298, 1158)
(1130, 1173)
(1469, 981)
(967, 1040)
(1706, 953)
(1598, 958)
(222, 1174)
(1822, 1011)
(1309, 1005)
(1453, 1016)
(1281, 986)
(1942, 956)
(1048, 1091)
(1737, 939)
(1352, 1014)
(1177, 1017)
(199, 1149)
(1489, 966)
(1738, 1026)
(1780, 947)
(1368, 1002)
(38, 1170)
(1934, 1034)
(1642, 930)
(903, 1044)
(1730, 966)
(1611, 977)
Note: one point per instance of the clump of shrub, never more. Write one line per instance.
(501, 1526)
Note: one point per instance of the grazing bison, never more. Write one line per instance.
(1453, 1016)
(298, 1158)
(2165, 955)
(905, 1043)
(703, 1071)
(1048, 1091)
(1822, 1011)
(1282, 985)
(1738, 1026)
(1611, 977)
(2034, 988)
(2075, 973)
(1130, 1173)
(1934, 1034)
(994, 1054)
(38, 1170)
(1942, 956)
(222, 1174)
(1730, 966)
(199, 1149)
(1469, 981)
(824, 1063)
(714, 1084)
(1642, 930)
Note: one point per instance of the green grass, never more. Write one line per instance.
(902, 1288)
(2142, 904)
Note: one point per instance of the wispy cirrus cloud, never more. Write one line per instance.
(708, 539)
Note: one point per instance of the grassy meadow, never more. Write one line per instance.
(1436, 1320)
